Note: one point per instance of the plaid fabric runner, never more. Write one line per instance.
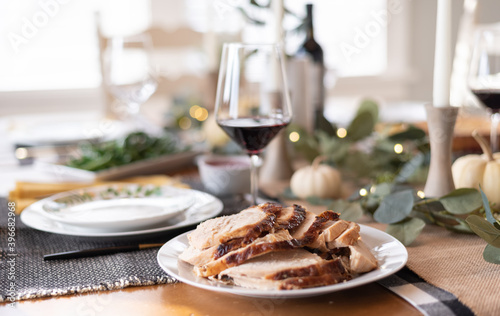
(427, 298)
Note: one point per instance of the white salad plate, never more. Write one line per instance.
(390, 253)
(117, 208)
(203, 207)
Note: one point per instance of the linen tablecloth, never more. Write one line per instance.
(454, 262)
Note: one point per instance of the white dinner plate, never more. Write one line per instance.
(204, 207)
(118, 207)
(390, 253)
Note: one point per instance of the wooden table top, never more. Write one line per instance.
(182, 299)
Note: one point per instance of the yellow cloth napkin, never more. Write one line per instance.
(26, 193)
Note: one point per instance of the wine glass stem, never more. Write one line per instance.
(495, 118)
(254, 179)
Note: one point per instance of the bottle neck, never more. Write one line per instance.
(309, 25)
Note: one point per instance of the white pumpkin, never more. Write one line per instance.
(317, 180)
(470, 171)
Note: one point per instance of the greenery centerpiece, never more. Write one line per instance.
(391, 162)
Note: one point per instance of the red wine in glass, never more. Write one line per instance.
(252, 103)
(490, 98)
(252, 133)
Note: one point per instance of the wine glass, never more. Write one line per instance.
(484, 76)
(252, 103)
(129, 74)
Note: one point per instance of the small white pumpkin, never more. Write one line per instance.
(470, 171)
(318, 180)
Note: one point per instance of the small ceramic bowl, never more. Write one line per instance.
(224, 175)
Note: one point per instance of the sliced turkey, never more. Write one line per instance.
(279, 241)
(361, 259)
(271, 247)
(249, 223)
(294, 269)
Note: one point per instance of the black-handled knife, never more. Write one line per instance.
(97, 251)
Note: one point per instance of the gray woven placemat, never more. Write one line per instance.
(25, 275)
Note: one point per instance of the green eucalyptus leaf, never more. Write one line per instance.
(381, 189)
(370, 203)
(308, 149)
(424, 147)
(412, 133)
(429, 205)
(491, 254)
(361, 126)
(450, 222)
(484, 229)
(446, 219)
(307, 144)
(420, 175)
(407, 231)
(487, 208)
(325, 126)
(385, 146)
(369, 106)
(410, 167)
(288, 194)
(339, 152)
(462, 227)
(364, 122)
(462, 201)
(329, 145)
(349, 211)
(360, 162)
(394, 207)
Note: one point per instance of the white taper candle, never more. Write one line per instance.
(442, 58)
(278, 11)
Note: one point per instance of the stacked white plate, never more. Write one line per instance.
(120, 210)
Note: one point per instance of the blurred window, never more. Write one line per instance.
(52, 44)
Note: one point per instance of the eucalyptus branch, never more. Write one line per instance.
(488, 228)
(426, 202)
(392, 201)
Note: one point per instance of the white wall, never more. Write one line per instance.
(423, 24)
(421, 17)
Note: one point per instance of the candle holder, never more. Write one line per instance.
(441, 123)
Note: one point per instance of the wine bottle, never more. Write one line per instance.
(312, 51)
